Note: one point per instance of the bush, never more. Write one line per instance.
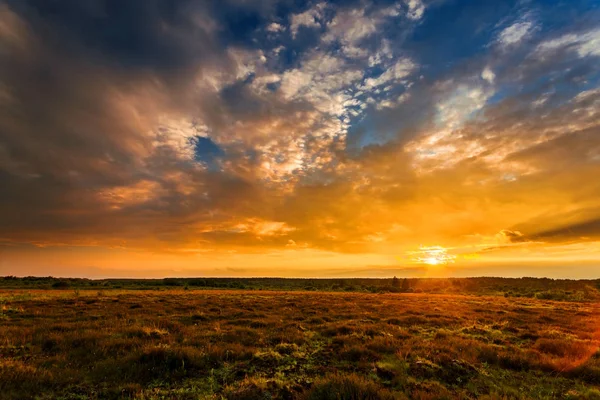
(359, 354)
(61, 285)
(348, 387)
(156, 363)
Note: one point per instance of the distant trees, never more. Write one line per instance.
(172, 282)
(400, 285)
(555, 289)
(405, 285)
(61, 285)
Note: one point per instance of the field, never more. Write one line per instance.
(540, 288)
(195, 344)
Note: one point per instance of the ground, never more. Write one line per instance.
(213, 344)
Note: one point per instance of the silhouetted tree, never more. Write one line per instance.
(405, 285)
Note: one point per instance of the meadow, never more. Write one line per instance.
(186, 343)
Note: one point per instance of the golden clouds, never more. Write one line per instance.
(346, 149)
(432, 255)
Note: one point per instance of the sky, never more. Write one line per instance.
(149, 138)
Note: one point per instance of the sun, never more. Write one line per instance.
(432, 255)
(431, 261)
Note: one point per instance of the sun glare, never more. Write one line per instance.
(432, 255)
(431, 261)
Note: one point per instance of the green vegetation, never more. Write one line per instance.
(540, 288)
(251, 344)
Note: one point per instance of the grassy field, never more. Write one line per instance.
(196, 344)
(540, 288)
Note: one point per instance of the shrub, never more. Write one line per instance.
(257, 389)
(565, 348)
(17, 378)
(155, 363)
(338, 331)
(247, 337)
(61, 285)
(348, 387)
(169, 360)
(248, 391)
(286, 348)
(358, 354)
(218, 354)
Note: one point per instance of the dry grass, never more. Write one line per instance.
(258, 345)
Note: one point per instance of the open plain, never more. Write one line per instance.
(213, 344)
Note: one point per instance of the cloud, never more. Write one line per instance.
(401, 69)
(574, 226)
(274, 27)
(263, 228)
(583, 43)
(310, 18)
(515, 33)
(207, 129)
(488, 75)
(350, 27)
(586, 230)
(416, 9)
(90, 145)
(461, 104)
(507, 235)
(129, 36)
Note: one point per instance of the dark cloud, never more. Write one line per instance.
(570, 150)
(587, 230)
(582, 224)
(165, 36)
(513, 236)
(77, 157)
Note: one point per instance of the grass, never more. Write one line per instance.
(540, 288)
(237, 344)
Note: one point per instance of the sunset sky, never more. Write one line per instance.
(149, 138)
